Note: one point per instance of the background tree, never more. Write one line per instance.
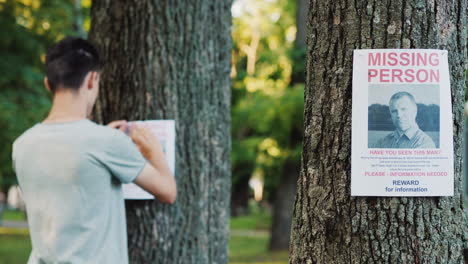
(263, 33)
(171, 60)
(28, 29)
(329, 226)
(267, 107)
(268, 78)
(286, 188)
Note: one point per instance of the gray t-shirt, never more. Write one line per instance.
(71, 175)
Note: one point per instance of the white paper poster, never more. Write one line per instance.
(165, 132)
(402, 135)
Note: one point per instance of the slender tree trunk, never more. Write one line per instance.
(241, 170)
(329, 225)
(171, 60)
(301, 18)
(283, 206)
(286, 190)
(78, 19)
(240, 196)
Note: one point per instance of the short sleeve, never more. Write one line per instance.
(122, 157)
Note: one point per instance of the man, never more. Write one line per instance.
(403, 110)
(71, 169)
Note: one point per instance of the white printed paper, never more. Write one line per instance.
(402, 135)
(165, 132)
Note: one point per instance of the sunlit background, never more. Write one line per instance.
(267, 71)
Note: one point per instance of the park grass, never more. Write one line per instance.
(249, 239)
(248, 242)
(256, 221)
(7, 231)
(15, 248)
(13, 215)
(254, 250)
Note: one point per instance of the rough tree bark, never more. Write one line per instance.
(171, 60)
(329, 226)
(286, 190)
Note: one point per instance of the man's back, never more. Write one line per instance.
(71, 174)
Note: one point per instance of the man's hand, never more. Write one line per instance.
(147, 142)
(156, 177)
(119, 124)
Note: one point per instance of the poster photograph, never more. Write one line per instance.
(399, 107)
(164, 130)
(402, 138)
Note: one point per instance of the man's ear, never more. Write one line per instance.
(90, 78)
(46, 84)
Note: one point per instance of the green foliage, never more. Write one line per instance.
(267, 108)
(28, 29)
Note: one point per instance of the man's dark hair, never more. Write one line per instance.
(68, 62)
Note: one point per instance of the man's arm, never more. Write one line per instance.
(155, 177)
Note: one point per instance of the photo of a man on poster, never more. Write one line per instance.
(397, 119)
(402, 124)
(403, 110)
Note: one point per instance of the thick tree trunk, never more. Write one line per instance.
(171, 60)
(329, 225)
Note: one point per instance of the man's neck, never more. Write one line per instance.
(66, 107)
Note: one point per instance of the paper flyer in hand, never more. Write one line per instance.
(165, 132)
(402, 134)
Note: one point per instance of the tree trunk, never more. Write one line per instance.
(285, 192)
(301, 19)
(171, 60)
(78, 19)
(300, 45)
(329, 225)
(283, 206)
(240, 196)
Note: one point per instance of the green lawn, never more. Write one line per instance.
(243, 250)
(14, 249)
(248, 242)
(257, 221)
(15, 244)
(13, 215)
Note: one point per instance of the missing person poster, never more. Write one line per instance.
(402, 135)
(165, 132)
